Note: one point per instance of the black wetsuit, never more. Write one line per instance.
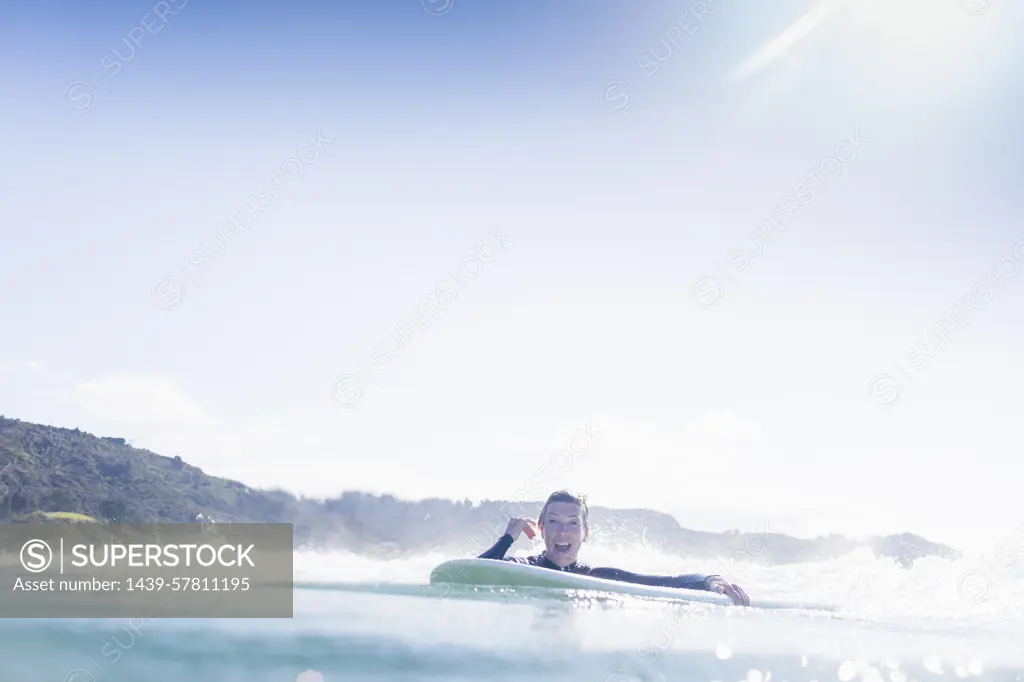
(691, 581)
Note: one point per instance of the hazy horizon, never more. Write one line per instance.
(769, 253)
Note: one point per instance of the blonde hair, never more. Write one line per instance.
(566, 496)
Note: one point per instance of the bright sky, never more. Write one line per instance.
(414, 247)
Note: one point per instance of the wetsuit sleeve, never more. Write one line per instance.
(498, 550)
(690, 581)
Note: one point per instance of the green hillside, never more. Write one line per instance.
(68, 472)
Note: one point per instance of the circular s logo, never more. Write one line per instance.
(36, 556)
(617, 97)
(885, 390)
(347, 391)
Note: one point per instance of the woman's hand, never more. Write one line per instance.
(517, 526)
(734, 592)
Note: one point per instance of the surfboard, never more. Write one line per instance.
(497, 573)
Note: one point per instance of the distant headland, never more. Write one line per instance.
(58, 475)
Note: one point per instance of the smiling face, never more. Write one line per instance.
(562, 527)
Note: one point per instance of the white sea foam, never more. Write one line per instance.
(894, 624)
(860, 583)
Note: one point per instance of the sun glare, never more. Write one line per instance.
(911, 34)
(913, 24)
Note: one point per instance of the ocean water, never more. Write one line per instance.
(360, 619)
